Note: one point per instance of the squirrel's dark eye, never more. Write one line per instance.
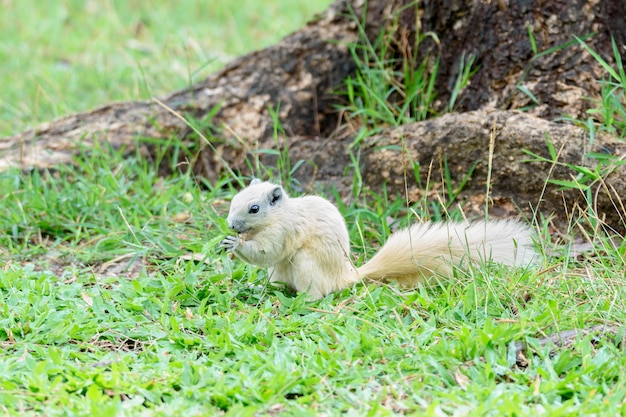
(254, 209)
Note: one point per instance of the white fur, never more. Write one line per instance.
(304, 243)
(433, 249)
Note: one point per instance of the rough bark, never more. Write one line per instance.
(463, 141)
(299, 76)
(496, 33)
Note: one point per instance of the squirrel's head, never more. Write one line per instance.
(250, 209)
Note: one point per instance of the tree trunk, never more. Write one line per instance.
(447, 149)
(496, 33)
(298, 77)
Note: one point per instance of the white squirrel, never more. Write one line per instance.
(304, 243)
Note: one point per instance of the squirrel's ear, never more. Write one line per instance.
(276, 195)
(255, 181)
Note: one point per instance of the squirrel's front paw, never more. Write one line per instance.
(230, 243)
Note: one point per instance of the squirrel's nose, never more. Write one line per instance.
(238, 226)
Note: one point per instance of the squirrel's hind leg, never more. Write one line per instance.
(297, 275)
(307, 275)
(320, 279)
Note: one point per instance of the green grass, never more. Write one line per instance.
(64, 56)
(114, 300)
(176, 336)
(610, 111)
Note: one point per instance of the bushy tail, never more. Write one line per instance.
(433, 249)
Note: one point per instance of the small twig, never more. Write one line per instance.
(567, 338)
